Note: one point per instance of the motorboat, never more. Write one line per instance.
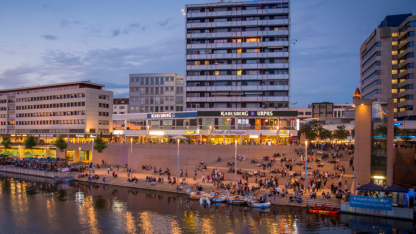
(217, 198)
(259, 204)
(325, 211)
(64, 179)
(237, 200)
(196, 195)
(204, 201)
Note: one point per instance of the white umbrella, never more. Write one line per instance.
(398, 139)
(179, 137)
(413, 139)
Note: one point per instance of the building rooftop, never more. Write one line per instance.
(393, 20)
(84, 84)
(119, 101)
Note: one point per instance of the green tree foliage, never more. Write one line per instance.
(30, 142)
(6, 142)
(61, 144)
(340, 133)
(405, 134)
(381, 130)
(311, 130)
(325, 134)
(100, 145)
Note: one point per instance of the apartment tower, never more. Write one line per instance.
(387, 64)
(237, 55)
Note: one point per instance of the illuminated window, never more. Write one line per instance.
(402, 99)
(239, 73)
(239, 51)
(394, 52)
(217, 73)
(395, 109)
(276, 29)
(402, 109)
(206, 62)
(394, 43)
(395, 34)
(253, 40)
(393, 72)
(394, 62)
(394, 91)
(395, 100)
(197, 63)
(394, 81)
(236, 40)
(402, 70)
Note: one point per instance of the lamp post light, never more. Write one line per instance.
(306, 165)
(178, 162)
(235, 168)
(210, 129)
(131, 158)
(79, 154)
(92, 155)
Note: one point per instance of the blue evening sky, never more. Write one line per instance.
(44, 42)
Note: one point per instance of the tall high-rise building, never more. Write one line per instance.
(156, 92)
(237, 55)
(387, 64)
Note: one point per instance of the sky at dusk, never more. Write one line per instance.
(45, 42)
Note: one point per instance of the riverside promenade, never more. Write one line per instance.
(121, 180)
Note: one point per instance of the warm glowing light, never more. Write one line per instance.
(378, 177)
(254, 136)
(155, 133)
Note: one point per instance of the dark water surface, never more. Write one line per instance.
(37, 205)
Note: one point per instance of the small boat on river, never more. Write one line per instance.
(323, 210)
(196, 195)
(204, 201)
(259, 204)
(237, 200)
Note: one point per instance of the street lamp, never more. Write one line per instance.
(79, 154)
(306, 165)
(131, 158)
(178, 161)
(210, 129)
(235, 167)
(92, 155)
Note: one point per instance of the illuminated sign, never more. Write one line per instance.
(249, 113)
(398, 124)
(228, 132)
(171, 115)
(189, 132)
(234, 113)
(163, 115)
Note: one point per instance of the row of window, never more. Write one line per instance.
(406, 56)
(47, 114)
(239, 8)
(238, 73)
(54, 105)
(240, 40)
(408, 34)
(408, 25)
(377, 63)
(120, 107)
(155, 90)
(103, 113)
(102, 96)
(142, 99)
(51, 122)
(367, 52)
(151, 79)
(237, 105)
(237, 83)
(375, 73)
(238, 61)
(237, 51)
(103, 105)
(146, 109)
(375, 92)
(240, 94)
(374, 83)
(52, 131)
(41, 90)
(215, 29)
(103, 122)
(51, 97)
(378, 53)
(407, 45)
(238, 18)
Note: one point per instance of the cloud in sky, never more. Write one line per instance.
(115, 32)
(164, 23)
(49, 37)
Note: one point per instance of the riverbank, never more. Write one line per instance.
(121, 181)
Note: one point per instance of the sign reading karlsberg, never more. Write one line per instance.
(248, 113)
(229, 132)
(172, 115)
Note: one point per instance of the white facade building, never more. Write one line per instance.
(237, 55)
(59, 109)
(120, 106)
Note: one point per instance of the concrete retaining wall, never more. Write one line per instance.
(397, 212)
(165, 155)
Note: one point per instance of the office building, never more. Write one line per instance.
(46, 111)
(156, 92)
(237, 55)
(120, 106)
(387, 64)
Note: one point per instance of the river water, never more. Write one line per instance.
(37, 205)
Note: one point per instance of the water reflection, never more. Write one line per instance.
(39, 205)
